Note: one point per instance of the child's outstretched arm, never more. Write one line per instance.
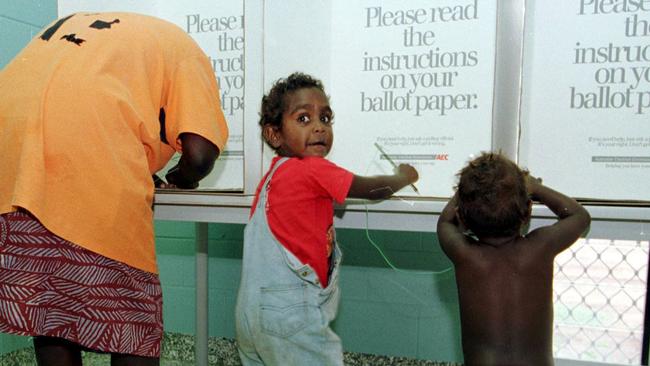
(382, 186)
(573, 219)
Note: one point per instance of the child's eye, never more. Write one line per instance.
(327, 119)
(303, 118)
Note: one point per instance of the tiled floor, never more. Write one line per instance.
(178, 350)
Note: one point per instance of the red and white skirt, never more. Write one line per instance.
(52, 287)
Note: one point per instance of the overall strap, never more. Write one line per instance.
(262, 197)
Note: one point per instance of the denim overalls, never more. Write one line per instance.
(283, 314)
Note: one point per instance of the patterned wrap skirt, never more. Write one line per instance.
(52, 287)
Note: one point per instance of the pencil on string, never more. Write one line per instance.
(393, 164)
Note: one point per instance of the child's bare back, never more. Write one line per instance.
(505, 295)
(504, 278)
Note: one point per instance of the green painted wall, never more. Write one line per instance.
(19, 22)
(411, 312)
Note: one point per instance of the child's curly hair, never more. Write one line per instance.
(493, 199)
(274, 103)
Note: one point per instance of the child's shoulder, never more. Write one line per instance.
(291, 167)
(309, 162)
(309, 169)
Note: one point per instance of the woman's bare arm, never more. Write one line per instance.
(197, 161)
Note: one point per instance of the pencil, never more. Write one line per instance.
(393, 164)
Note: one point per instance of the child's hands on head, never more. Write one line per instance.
(408, 172)
(532, 183)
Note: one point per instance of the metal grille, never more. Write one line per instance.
(600, 290)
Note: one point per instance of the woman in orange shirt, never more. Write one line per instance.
(79, 111)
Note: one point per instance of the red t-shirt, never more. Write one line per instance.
(300, 207)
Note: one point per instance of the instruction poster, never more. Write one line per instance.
(415, 80)
(586, 97)
(218, 27)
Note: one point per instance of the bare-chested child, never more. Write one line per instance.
(504, 277)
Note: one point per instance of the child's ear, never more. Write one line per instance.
(525, 225)
(272, 135)
(528, 214)
(458, 217)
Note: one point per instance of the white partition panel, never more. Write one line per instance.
(415, 77)
(218, 27)
(586, 97)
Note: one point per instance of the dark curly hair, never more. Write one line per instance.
(274, 103)
(493, 199)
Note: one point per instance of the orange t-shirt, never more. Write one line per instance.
(80, 135)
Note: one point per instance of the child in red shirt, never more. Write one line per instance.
(289, 288)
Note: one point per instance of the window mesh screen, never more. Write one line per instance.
(600, 290)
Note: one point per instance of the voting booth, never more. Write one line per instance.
(561, 87)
